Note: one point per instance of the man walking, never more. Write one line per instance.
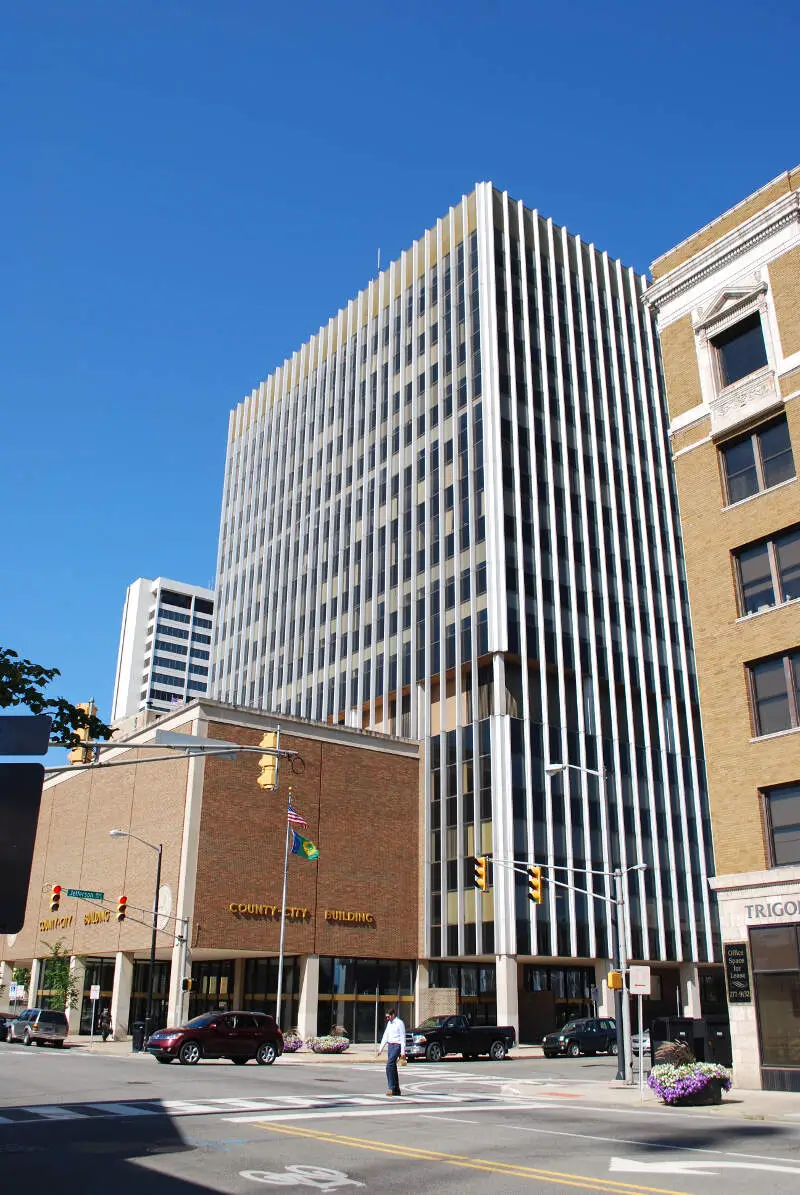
(394, 1038)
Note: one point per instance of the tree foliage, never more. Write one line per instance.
(57, 977)
(24, 683)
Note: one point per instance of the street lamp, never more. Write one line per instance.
(619, 934)
(148, 1016)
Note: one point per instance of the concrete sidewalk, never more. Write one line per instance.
(774, 1106)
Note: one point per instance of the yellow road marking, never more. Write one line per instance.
(506, 1168)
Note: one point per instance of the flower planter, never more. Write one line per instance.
(710, 1094)
(328, 1044)
(291, 1043)
(690, 1084)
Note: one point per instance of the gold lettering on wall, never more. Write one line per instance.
(55, 923)
(351, 918)
(270, 912)
(97, 918)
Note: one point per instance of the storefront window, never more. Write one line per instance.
(476, 986)
(569, 994)
(99, 971)
(212, 986)
(141, 978)
(354, 995)
(775, 953)
(261, 988)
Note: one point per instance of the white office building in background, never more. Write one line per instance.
(164, 647)
(451, 515)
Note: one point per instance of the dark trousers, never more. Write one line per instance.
(392, 1079)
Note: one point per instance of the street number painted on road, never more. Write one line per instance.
(302, 1176)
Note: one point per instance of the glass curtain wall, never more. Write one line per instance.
(261, 988)
(775, 952)
(355, 994)
(99, 971)
(212, 986)
(138, 1005)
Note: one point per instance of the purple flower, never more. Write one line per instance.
(672, 1083)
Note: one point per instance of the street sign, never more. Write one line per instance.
(639, 981)
(737, 973)
(94, 991)
(85, 894)
(24, 734)
(170, 738)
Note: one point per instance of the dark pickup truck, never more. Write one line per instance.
(454, 1035)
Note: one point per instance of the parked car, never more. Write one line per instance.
(590, 1035)
(45, 1026)
(645, 1047)
(235, 1035)
(454, 1035)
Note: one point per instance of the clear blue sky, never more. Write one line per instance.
(191, 188)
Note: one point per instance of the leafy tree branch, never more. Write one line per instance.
(23, 683)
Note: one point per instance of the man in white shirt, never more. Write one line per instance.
(394, 1038)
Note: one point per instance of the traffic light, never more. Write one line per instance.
(122, 908)
(55, 898)
(268, 763)
(615, 981)
(535, 885)
(481, 877)
(83, 754)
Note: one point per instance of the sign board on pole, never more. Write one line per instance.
(639, 981)
(12, 991)
(85, 894)
(94, 991)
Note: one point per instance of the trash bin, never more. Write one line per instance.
(665, 1029)
(138, 1036)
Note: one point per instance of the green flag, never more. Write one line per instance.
(303, 847)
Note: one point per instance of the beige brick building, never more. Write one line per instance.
(352, 916)
(728, 307)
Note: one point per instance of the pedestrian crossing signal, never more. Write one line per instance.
(55, 898)
(535, 885)
(122, 908)
(481, 877)
(186, 985)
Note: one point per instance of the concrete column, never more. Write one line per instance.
(690, 990)
(237, 995)
(33, 984)
(507, 993)
(77, 975)
(5, 980)
(422, 985)
(121, 995)
(180, 968)
(308, 1003)
(605, 998)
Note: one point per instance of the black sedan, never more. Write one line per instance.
(591, 1035)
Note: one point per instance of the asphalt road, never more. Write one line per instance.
(82, 1124)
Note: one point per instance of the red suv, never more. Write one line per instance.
(235, 1035)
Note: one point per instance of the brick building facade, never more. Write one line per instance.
(352, 921)
(728, 308)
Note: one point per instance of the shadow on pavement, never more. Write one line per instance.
(716, 1136)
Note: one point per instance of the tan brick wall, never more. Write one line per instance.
(73, 849)
(790, 383)
(362, 809)
(680, 367)
(787, 182)
(784, 277)
(691, 436)
(737, 768)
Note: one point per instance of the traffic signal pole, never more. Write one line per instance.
(619, 937)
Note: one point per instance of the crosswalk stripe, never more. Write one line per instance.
(123, 1110)
(54, 1112)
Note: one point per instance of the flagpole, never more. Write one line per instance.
(283, 915)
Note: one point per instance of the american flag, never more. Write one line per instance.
(295, 818)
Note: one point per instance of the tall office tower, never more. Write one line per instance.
(451, 516)
(164, 646)
(728, 306)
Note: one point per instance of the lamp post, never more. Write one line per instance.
(148, 1016)
(619, 930)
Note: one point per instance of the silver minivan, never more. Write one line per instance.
(38, 1025)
